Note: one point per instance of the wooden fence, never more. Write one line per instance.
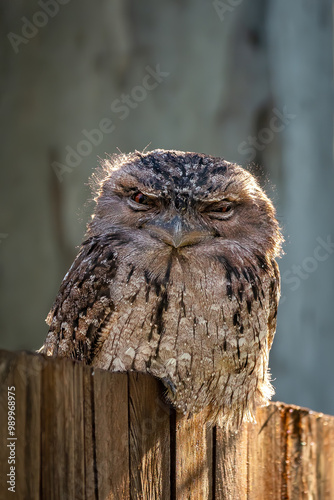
(88, 434)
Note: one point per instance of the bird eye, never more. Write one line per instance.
(139, 201)
(140, 198)
(221, 210)
(225, 209)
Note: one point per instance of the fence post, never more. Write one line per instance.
(81, 433)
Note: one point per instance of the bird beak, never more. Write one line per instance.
(177, 232)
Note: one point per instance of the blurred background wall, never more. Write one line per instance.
(249, 80)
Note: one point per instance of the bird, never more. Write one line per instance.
(177, 277)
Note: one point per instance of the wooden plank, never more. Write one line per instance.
(325, 455)
(308, 456)
(111, 435)
(90, 486)
(264, 452)
(281, 456)
(149, 439)
(106, 452)
(231, 460)
(59, 434)
(22, 372)
(293, 421)
(78, 429)
(194, 457)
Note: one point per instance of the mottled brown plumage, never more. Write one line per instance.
(177, 278)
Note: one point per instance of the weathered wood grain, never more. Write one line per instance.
(288, 454)
(23, 372)
(149, 439)
(194, 456)
(231, 465)
(93, 435)
(108, 436)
